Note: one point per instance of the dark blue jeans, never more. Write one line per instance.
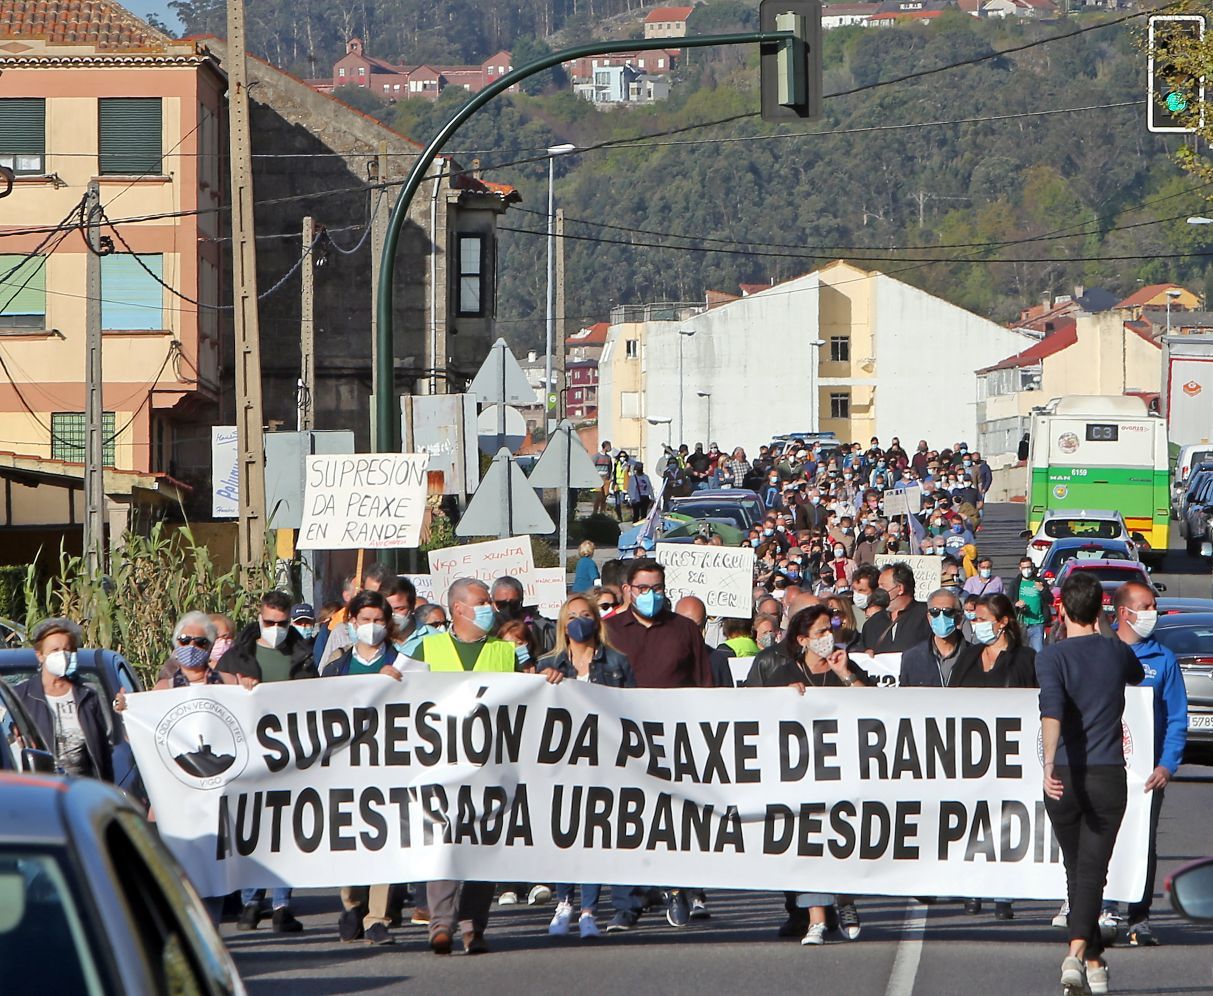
(589, 895)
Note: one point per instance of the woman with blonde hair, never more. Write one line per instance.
(582, 654)
(586, 576)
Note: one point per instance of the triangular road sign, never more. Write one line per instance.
(500, 381)
(504, 504)
(564, 463)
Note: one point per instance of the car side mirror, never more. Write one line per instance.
(1159, 586)
(1191, 889)
(37, 762)
(1138, 538)
(1026, 534)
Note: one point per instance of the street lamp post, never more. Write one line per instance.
(668, 423)
(682, 423)
(548, 389)
(708, 396)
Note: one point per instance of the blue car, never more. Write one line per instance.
(105, 672)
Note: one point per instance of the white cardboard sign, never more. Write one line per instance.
(928, 571)
(371, 501)
(485, 561)
(722, 576)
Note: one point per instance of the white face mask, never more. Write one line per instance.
(370, 634)
(401, 620)
(822, 646)
(61, 663)
(1026, 572)
(861, 599)
(1145, 622)
(273, 634)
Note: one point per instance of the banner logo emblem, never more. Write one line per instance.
(202, 744)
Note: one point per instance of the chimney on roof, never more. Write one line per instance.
(1046, 300)
(1079, 291)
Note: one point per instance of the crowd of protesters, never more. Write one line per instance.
(823, 609)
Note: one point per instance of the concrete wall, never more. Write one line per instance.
(926, 353)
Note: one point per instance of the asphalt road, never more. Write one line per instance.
(905, 947)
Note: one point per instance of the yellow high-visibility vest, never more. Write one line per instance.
(441, 655)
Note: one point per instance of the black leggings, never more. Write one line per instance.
(1086, 820)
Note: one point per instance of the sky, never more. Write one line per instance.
(157, 7)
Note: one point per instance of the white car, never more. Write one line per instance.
(1076, 523)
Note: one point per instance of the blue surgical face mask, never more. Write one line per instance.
(970, 616)
(522, 653)
(307, 632)
(983, 631)
(649, 603)
(943, 626)
(755, 541)
(484, 617)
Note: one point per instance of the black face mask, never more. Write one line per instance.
(508, 609)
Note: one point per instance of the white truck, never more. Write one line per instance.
(1186, 399)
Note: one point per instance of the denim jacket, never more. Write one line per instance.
(607, 667)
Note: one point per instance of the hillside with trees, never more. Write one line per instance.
(954, 181)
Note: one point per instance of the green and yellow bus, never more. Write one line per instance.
(1096, 452)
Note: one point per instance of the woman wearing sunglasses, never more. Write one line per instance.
(190, 663)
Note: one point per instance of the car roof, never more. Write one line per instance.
(1181, 605)
(1179, 620)
(31, 809)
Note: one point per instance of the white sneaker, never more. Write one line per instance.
(508, 899)
(539, 896)
(559, 926)
(1097, 979)
(1062, 919)
(816, 934)
(587, 927)
(1073, 977)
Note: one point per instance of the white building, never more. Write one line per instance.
(840, 349)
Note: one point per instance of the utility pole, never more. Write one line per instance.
(379, 216)
(307, 331)
(94, 416)
(561, 330)
(249, 428)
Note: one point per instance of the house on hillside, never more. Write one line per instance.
(667, 22)
(1043, 317)
(323, 152)
(1159, 296)
(92, 92)
(583, 349)
(393, 82)
(849, 342)
(1020, 8)
(841, 15)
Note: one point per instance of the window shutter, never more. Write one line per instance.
(23, 134)
(131, 136)
(23, 291)
(131, 299)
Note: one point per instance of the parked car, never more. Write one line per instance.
(1175, 606)
(1064, 550)
(1191, 889)
(106, 672)
(1189, 460)
(1200, 477)
(93, 902)
(1189, 636)
(21, 745)
(1196, 514)
(1083, 524)
(739, 506)
(1111, 574)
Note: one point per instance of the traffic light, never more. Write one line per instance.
(791, 69)
(1176, 99)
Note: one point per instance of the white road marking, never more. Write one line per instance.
(909, 951)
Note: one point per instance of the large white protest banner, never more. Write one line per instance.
(739, 667)
(928, 571)
(484, 561)
(373, 501)
(485, 777)
(883, 669)
(723, 576)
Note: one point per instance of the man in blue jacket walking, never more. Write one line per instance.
(1136, 616)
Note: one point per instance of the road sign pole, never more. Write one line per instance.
(384, 379)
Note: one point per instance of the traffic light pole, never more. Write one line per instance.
(386, 418)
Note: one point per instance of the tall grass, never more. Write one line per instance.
(153, 580)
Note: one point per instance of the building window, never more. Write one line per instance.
(362, 70)
(23, 135)
(341, 72)
(471, 275)
(132, 298)
(661, 63)
(68, 437)
(489, 70)
(629, 404)
(840, 349)
(840, 405)
(632, 348)
(131, 136)
(22, 292)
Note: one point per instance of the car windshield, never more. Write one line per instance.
(1082, 528)
(1116, 575)
(43, 946)
(1186, 641)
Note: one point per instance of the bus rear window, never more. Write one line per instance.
(1082, 529)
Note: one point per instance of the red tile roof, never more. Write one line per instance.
(594, 335)
(1144, 295)
(97, 23)
(1065, 336)
(716, 298)
(659, 14)
(748, 289)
